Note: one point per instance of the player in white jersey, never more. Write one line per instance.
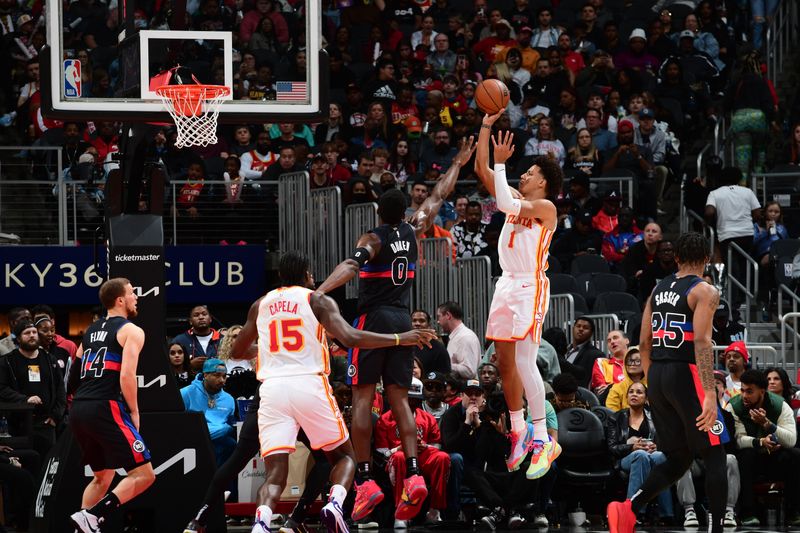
(290, 324)
(522, 294)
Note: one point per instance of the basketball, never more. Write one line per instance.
(491, 96)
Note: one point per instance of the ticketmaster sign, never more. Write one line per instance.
(67, 275)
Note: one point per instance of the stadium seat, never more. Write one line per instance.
(585, 464)
(580, 304)
(584, 264)
(553, 265)
(562, 283)
(606, 415)
(587, 396)
(594, 283)
(616, 302)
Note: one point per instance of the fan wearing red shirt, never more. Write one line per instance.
(433, 462)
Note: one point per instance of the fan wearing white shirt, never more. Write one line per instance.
(464, 346)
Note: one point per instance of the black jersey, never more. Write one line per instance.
(101, 361)
(386, 279)
(673, 319)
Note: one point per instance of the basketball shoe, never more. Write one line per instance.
(414, 494)
(544, 453)
(194, 527)
(260, 525)
(293, 526)
(333, 518)
(621, 518)
(521, 444)
(368, 495)
(86, 522)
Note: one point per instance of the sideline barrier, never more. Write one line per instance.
(325, 223)
(358, 219)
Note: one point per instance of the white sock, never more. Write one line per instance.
(517, 421)
(534, 386)
(338, 494)
(264, 514)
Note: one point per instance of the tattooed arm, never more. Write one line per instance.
(704, 298)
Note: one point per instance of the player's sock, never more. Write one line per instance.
(337, 494)
(105, 506)
(528, 371)
(264, 514)
(715, 461)
(412, 467)
(363, 472)
(202, 515)
(517, 421)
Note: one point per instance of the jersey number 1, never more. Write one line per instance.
(96, 366)
(511, 239)
(285, 333)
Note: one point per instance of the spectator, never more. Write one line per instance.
(201, 341)
(608, 217)
(732, 209)
(464, 347)
(610, 370)
(433, 462)
(545, 35)
(581, 239)
(440, 155)
(736, 361)
(703, 41)
(47, 331)
(489, 377)
(565, 393)
(617, 242)
(251, 22)
(433, 390)
(255, 162)
(659, 269)
(318, 175)
(685, 485)
(470, 235)
(425, 36)
(545, 142)
(766, 434)
(640, 256)
(634, 373)
(443, 59)
(648, 136)
(778, 383)
(527, 51)
(20, 486)
(581, 355)
(435, 358)
(286, 164)
(791, 153)
(205, 395)
(637, 57)
(659, 44)
(725, 330)
(490, 47)
(30, 375)
(179, 365)
(598, 74)
(602, 138)
(632, 442)
(572, 60)
(584, 156)
(639, 161)
(547, 83)
(767, 230)
(334, 127)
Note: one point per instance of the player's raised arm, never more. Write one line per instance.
(244, 347)
(485, 173)
(424, 216)
(327, 312)
(367, 248)
(540, 209)
(706, 299)
(131, 337)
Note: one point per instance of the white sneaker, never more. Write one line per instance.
(730, 520)
(690, 519)
(333, 518)
(86, 522)
(367, 524)
(540, 520)
(400, 524)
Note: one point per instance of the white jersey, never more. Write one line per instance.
(524, 246)
(291, 341)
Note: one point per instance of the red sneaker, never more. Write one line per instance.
(368, 495)
(621, 518)
(414, 494)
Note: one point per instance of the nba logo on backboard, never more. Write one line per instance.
(72, 78)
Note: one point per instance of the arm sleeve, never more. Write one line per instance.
(505, 202)
(787, 429)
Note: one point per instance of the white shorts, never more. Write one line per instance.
(518, 309)
(291, 403)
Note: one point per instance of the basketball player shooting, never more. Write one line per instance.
(290, 325)
(522, 294)
(678, 359)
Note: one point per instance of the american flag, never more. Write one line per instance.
(291, 90)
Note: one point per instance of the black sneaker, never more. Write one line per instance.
(292, 526)
(194, 527)
(493, 519)
(516, 521)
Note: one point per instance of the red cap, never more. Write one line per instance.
(739, 347)
(625, 125)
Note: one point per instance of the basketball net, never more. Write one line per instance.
(195, 109)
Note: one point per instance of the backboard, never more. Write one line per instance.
(92, 69)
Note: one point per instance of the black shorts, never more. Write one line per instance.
(676, 400)
(107, 436)
(395, 364)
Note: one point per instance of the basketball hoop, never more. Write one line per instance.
(195, 109)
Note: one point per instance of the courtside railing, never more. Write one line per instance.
(782, 36)
(750, 286)
(603, 325)
(474, 288)
(435, 276)
(294, 199)
(358, 219)
(561, 313)
(761, 356)
(326, 230)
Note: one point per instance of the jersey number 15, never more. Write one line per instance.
(285, 334)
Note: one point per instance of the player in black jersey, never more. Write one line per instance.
(678, 360)
(385, 261)
(105, 413)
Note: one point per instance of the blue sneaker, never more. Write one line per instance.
(333, 518)
(521, 445)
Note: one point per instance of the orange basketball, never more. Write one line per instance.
(491, 96)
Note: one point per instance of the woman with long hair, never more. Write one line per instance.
(401, 162)
(778, 382)
(584, 156)
(767, 230)
(791, 154)
(545, 142)
(749, 99)
(335, 126)
(265, 38)
(179, 364)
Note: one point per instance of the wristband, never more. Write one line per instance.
(396, 339)
(488, 127)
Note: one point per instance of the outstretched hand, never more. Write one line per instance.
(491, 119)
(418, 337)
(467, 146)
(503, 146)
